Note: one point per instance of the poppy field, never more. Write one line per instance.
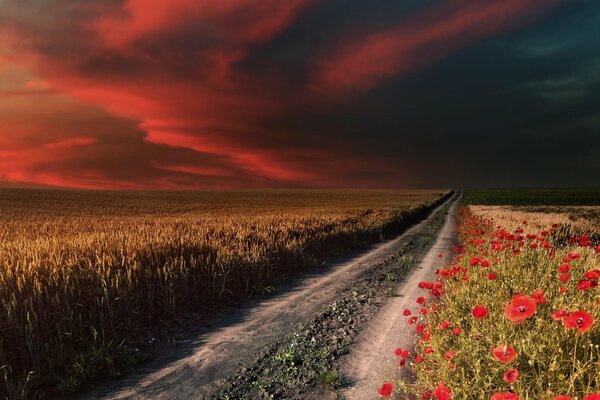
(89, 280)
(514, 313)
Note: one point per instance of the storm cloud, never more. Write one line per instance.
(147, 94)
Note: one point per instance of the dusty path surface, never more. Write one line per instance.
(371, 360)
(219, 350)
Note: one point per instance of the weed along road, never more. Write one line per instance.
(240, 354)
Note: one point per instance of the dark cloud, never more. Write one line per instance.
(242, 93)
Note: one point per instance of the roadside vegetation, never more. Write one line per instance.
(88, 279)
(515, 314)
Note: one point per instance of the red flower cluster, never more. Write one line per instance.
(483, 241)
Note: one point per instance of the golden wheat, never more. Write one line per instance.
(84, 275)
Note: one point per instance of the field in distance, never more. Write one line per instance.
(86, 276)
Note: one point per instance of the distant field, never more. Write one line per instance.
(85, 276)
(539, 197)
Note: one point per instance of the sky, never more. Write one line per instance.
(219, 94)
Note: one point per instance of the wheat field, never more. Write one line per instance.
(87, 276)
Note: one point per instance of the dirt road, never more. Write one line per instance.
(371, 360)
(217, 351)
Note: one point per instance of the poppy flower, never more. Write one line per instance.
(386, 390)
(520, 308)
(442, 392)
(421, 300)
(419, 359)
(444, 325)
(564, 268)
(504, 396)
(584, 284)
(449, 354)
(428, 350)
(402, 363)
(480, 312)
(510, 376)
(580, 320)
(594, 274)
(504, 353)
(398, 352)
(538, 295)
(563, 397)
(565, 277)
(456, 331)
(407, 313)
(594, 396)
(560, 314)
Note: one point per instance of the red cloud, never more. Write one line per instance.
(363, 62)
(181, 109)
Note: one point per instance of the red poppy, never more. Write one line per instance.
(538, 295)
(564, 268)
(398, 352)
(510, 376)
(456, 331)
(407, 313)
(492, 276)
(520, 308)
(584, 284)
(442, 392)
(593, 396)
(402, 363)
(386, 390)
(480, 312)
(563, 290)
(594, 274)
(428, 350)
(504, 353)
(565, 277)
(504, 396)
(421, 300)
(563, 397)
(449, 354)
(560, 314)
(412, 320)
(419, 359)
(580, 320)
